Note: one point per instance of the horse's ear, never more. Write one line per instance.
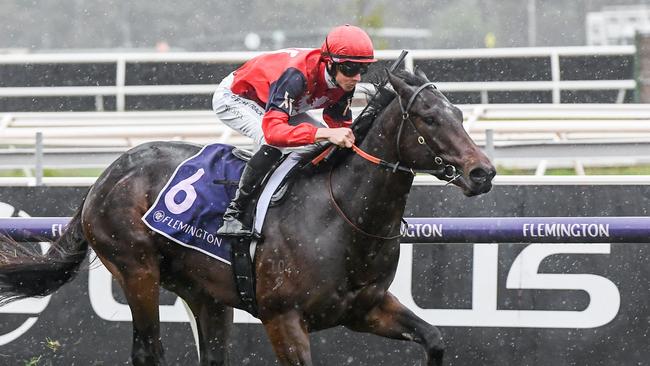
(421, 73)
(400, 86)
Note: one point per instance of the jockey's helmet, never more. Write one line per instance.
(347, 43)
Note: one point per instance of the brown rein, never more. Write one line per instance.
(355, 227)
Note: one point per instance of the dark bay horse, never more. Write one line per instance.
(337, 236)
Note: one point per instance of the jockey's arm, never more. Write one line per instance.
(278, 132)
(341, 136)
(339, 117)
(275, 122)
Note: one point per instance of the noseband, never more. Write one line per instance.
(448, 170)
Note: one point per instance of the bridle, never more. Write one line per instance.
(447, 169)
(441, 167)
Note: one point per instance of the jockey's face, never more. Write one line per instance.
(348, 83)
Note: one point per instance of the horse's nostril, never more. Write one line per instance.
(479, 175)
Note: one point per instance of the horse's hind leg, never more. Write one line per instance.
(393, 320)
(141, 284)
(214, 322)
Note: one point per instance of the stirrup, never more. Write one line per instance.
(237, 232)
(234, 228)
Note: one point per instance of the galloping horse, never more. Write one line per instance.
(337, 234)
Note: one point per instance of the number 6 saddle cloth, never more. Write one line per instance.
(189, 209)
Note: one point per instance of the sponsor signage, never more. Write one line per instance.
(573, 297)
(629, 229)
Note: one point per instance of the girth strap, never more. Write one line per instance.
(244, 272)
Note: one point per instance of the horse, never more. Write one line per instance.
(337, 234)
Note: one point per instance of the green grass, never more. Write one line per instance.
(54, 173)
(34, 361)
(623, 170)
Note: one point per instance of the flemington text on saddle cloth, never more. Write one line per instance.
(189, 208)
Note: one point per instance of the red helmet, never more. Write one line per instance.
(347, 43)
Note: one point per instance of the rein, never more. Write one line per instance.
(448, 170)
(355, 227)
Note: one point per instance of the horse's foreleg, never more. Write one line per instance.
(214, 321)
(290, 339)
(393, 320)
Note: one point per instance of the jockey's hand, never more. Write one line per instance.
(341, 136)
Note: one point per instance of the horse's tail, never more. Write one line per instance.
(26, 272)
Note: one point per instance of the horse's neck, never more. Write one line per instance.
(374, 193)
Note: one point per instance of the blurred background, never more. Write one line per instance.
(208, 25)
(546, 86)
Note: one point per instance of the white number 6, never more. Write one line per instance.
(190, 194)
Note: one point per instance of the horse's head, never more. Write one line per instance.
(430, 136)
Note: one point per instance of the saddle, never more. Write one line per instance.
(273, 189)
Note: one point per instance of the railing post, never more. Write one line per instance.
(99, 103)
(555, 77)
(489, 144)
(484, 97)
(541, 168)
(38, 158)
(642, 68)
(120, 81)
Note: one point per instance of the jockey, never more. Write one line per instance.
(267, 99)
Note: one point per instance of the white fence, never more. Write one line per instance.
(517, 135)
(508, 122)
(120, 90)
(419, 180)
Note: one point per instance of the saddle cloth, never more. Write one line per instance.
(189, 209)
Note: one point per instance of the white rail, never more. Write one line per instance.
(514, 135)
(500, 118)
(241, 56)
(120, 90)
(419, 180)
(116, 129)
(572, 121)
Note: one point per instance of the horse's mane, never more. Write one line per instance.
(413, 79)
(364, 121)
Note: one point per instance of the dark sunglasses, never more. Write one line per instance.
(351, 69)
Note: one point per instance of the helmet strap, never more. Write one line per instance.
(329, 53)
(331, 71)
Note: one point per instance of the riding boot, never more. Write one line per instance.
(249, 185)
